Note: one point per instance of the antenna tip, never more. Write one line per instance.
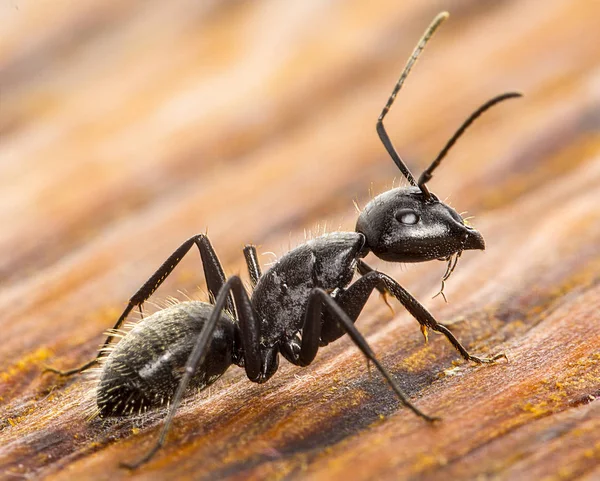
(437, 21)
(509, 95)
(439, 18)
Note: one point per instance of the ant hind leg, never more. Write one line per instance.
(213, 272)
(250, 335)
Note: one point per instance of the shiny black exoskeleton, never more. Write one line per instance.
(304, 301)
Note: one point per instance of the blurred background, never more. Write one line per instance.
(128, 126)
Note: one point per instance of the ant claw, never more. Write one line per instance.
(54, 370)
(431, 419)
(69, 372)
(487, 360)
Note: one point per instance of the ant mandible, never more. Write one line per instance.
(303, 302)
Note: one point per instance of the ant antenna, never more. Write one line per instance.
(385, 139)
(428, 172)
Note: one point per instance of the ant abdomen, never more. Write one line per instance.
(144, 369)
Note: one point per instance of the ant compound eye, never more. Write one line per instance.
(407, 217)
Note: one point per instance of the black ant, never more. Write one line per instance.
(303, 302)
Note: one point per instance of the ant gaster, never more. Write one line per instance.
(303, 302)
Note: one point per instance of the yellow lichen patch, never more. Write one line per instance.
(379, 421)
(581, 374)
(419, 359)
(14, 421)
(538, 409)
(564, 473)
(426, 461)
(26, 362)
(593, 452)
(575, 379)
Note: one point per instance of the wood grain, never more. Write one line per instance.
(127, 126)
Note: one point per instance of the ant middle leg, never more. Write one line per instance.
(213, 272)
(374, 278)
(312, 333)
(352, 300)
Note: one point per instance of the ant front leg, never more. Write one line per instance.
(414, 307)
(311, 334)
(213, 272)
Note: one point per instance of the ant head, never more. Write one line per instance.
(404, 225)
(411, 224)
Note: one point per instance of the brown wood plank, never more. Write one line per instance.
(127, 126)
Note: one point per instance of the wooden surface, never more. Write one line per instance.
(127, 126)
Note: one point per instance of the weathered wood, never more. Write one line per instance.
(126, 127)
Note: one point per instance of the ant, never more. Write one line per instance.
(304, 301)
